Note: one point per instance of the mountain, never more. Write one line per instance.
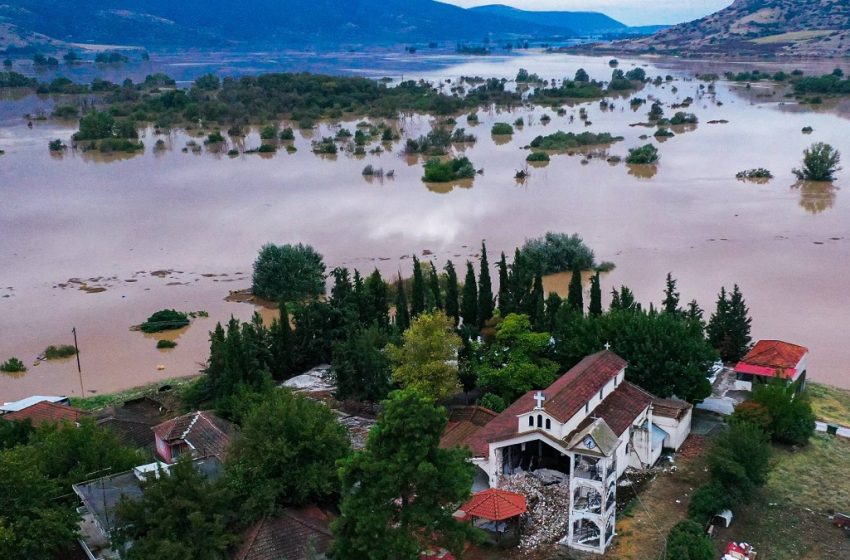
(221, 23)
(818, 28)
(582, 23)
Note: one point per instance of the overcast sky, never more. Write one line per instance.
(630, 12)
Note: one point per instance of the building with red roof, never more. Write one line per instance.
(589, 425)
(46, 412)
(772, 359)
(199, 434)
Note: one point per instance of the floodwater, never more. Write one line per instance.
(170, 229)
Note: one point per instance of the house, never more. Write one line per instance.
(100, 498)
(29, 401)
(294, 534)
(772, 359)
(46, 412)
(199, 433)
(133, 420)
(588, 426)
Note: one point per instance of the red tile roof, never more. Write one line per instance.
(45, 412)
(781, 357)
(203, 430)
(622, 406)
(290, 535)
(568, 394)
(670, 408)
(494, 504)
(464, 422)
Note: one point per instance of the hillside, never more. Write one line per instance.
(221, 23)
(584, 23)
(816, 28)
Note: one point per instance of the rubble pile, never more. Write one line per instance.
(358, 428)
(548, 508)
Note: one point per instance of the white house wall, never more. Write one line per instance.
(678, 430)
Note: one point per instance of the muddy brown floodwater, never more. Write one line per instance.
(172, 229)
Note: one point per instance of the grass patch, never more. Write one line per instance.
(801, 476)
(97, 402)
(58, 352)
(830, 404)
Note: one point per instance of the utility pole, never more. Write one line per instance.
(79, 369)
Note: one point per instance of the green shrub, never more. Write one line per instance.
(663, 133)
(13, 365)
(493, 402)
(165, 344)
(62, 351)
(568, 140)
(537, 156)
(687, 541)
(288, 273)
(684, 118)
(502, 129)
(66, 112)
(820, 163)
(792, 420)
(757, 173)
(164, 320)
(268, 132)
(519, 122)
(214, 137)
(557, 252)
(643, 155)
(437, 171)
(709, 500)
(287, 134)
(56, 145)
(267, 149)
(739, 459)
(808, 130)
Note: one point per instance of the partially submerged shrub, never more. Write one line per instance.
(643, 155)
(757, 173)
(502, 129)
(820, 163)
(164, 320)
(437, 171)
(13, 365)
(63, 351)
(537, 156)
(165, 344)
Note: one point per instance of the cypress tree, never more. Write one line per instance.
(377, 300)
(729, 327)
(485, 289)
(280, 345)
(417, 290)
(469, 304)
(402, 313)
(718, 325)
(575, 298)
(538, 305)
(553, 304)
(434, 283)
(694, 313)
(595, 307)
(452, 295)
(671, 296)
(505, 305)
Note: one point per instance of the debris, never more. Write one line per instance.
(546, 521)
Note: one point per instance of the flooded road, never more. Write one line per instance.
(198, 220)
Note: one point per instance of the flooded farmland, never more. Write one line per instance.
(98, 244)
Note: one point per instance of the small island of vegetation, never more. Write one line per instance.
(164, 320)
(568, 140)
(820, 163)
(643, 155)
(13, 365)
(455, 169)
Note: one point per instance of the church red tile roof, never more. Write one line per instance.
(290, 535)
(670, 408)
(568, 394)
(622, 406)
(206, 432)
(45, 412)
(464, 422)
(780, 357)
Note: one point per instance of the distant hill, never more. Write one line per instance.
(815, 28)
(582, 23)
(166, 23)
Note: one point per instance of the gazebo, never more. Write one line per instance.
(494, 510)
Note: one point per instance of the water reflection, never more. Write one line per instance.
(816, 196)
(642, 171)
(445, 188)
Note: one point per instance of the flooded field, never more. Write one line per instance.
(169, 228)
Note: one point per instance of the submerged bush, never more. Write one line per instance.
(13, 365)
(820, 163)
(557, 252)
(643, 155)
(62, 351)
(288, 273)
(757, 173)
(537, 156)
(165, 344)
(501, 129)
(164, 320)
(437, 171)
(565, 140)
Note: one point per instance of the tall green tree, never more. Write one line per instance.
(505, 305)
(671, 296)
(179, 515)
(417, 290)
(595, 307)
(575, 297)
(288, 272)
(426, 361)
(402, 313)
(739, 460)
(285, 454)
(377, 300)
(360, 369)
(623, 300)
(469, 304)
(452, 295)
(537, 307)
(728, 328)
(434, 288)
(281, 346)
(553, 305)
(399, 493)
(485, 289)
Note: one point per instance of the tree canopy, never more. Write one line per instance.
(288, 273)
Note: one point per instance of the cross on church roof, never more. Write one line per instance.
(607, 345)
(539, 397)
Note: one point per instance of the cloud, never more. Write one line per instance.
(631, 12)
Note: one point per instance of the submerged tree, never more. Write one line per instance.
(399, 493)
(820, 163)
(288, 273)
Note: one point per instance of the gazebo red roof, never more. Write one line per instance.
(494, 504)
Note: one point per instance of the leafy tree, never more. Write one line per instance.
(754, 413)
(485, 289)
(426, 361)
(671, 296)
(517, 361)
(417, 291)
(402, 313)
(469, 304)
(581, 76)
(15, 433)
(399, 493)
(377, 309)
(643, 155)
(452, 296)
(687, 541)
(286, 454)
(575, 297)
(435, 295)
(728, 329)
(595, 307)
(740, 459)
(288, 273)
(359, 367)
(179, 515)
(792, 420)
(557, 252)
(709, 500)
(553, 305)
(820, 163)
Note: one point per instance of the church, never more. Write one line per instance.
(590, 425)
